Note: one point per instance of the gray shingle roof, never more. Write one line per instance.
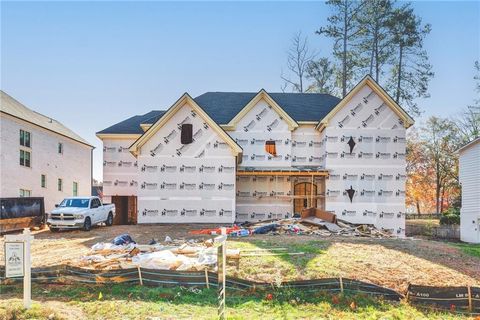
(132, 125)
(223, 106)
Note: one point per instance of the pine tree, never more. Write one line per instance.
(376, 39)
(411, 71)
(344, 29)
(321, 72)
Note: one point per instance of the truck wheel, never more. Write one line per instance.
(109, 221)
(87, 225)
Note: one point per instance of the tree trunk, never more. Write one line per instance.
(371, 59)
(442, 199)
(399, 78)
(418, 207)
(437, 188)
(377, 65)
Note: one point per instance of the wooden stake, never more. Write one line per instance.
(470, 304)
(311, 193)
(206, 278)
(341, 285)
(140, 275)
(260, 254)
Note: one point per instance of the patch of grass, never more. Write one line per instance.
(281, 266)
(470, 249)
(137, 302)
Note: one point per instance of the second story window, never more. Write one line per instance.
(43, 181)
(25, 138)
(270, 147)
(60, 148)
(75, 189)
(25, 193)
(60, 184)
(25, 158)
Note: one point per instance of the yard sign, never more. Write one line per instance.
(17, 262)
(14, 259)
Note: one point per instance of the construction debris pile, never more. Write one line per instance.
(171, 255)
(312, 222)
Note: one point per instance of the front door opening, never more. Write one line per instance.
(303, 196)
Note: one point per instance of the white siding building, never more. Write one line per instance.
(40, 157)
(469, 174)
(269, 155)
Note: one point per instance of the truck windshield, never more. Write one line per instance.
(76, 203)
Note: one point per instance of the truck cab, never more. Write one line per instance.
(80, 212)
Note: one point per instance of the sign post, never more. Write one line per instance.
(18, 263)
(221, 242)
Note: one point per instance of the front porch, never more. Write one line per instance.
(278, 193)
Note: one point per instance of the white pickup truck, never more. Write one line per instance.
(80, 212)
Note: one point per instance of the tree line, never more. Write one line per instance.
(378, 37)
(385, 38)
(432, 158)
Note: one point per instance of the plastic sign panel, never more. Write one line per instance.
(14, 259)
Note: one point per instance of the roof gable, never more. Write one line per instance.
(368, 81)
(184, 99)
(262, 95)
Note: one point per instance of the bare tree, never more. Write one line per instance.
(468, 121)
(299, 56)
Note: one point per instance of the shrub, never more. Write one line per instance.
(450, 219)
(452, 211)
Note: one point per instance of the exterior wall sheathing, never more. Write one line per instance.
(178, 183)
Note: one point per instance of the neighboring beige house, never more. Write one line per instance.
(469, 175)
(40, 157)
(245, 156)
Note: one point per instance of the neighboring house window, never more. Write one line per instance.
(24, 158)
(25, 193)
(60, 148)
(75, 189)
(60, 184)
(43, 181)
(24, 138)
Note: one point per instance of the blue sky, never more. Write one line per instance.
(92, 64)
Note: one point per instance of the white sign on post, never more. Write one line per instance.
(17, 262)
(14, 259)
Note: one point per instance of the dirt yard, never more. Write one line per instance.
(390, 262)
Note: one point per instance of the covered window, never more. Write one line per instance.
(60, 184)
(75, 189)
(24, 158)
(60, 148)
(270, 147)
(24, 138)
(187, 133)
(43, 181)
(25, 193)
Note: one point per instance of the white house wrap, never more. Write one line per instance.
(258, 156)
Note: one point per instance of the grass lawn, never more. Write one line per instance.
(135, 302)
(470, 249)
(392, 263)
